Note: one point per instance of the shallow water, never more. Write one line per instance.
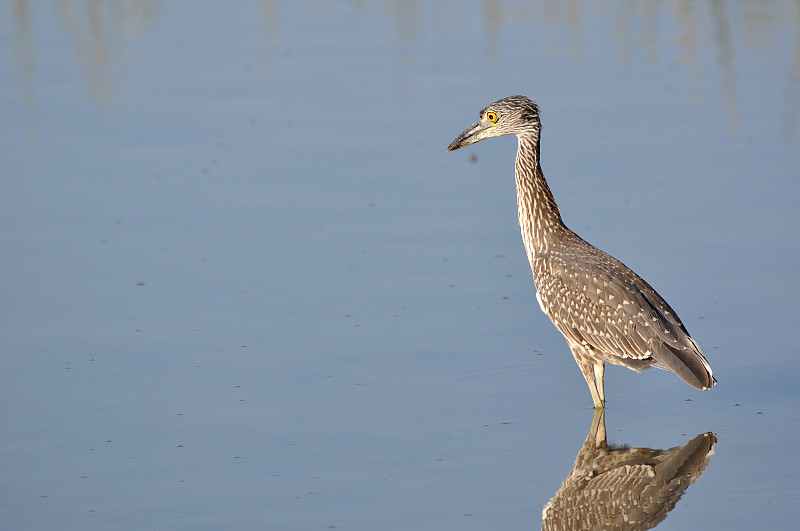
(244, 285)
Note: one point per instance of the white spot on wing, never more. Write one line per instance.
(541, 304)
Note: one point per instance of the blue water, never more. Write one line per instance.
(245, 287)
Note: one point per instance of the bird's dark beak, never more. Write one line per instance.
(474, 133)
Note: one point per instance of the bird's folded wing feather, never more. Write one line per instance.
(609, 307)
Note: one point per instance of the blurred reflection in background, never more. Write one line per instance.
(763, 35)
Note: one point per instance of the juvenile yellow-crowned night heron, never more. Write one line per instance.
(606, 312)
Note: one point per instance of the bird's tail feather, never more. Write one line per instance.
(689, 364)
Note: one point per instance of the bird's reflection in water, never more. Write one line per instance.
(621, 488)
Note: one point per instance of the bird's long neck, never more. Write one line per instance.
(539, 217)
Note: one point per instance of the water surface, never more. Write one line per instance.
(244, 285)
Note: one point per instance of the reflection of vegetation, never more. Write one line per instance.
(724, 31)
(619, 487)
(24, 49)
(100, 30)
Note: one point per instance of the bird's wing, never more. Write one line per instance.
(579, 302)
(605, 305)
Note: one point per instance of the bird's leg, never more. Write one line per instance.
(589, 371)
(597, 433)
(599, 403)
(599, 371)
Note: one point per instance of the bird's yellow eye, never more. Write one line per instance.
(491, 116)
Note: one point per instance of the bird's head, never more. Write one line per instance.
(515, 115)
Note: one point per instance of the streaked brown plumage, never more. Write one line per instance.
(619, 487)
(606, 312)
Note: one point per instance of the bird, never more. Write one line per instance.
(616, 486)
(606, 312)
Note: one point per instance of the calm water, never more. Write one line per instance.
(245, 287)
